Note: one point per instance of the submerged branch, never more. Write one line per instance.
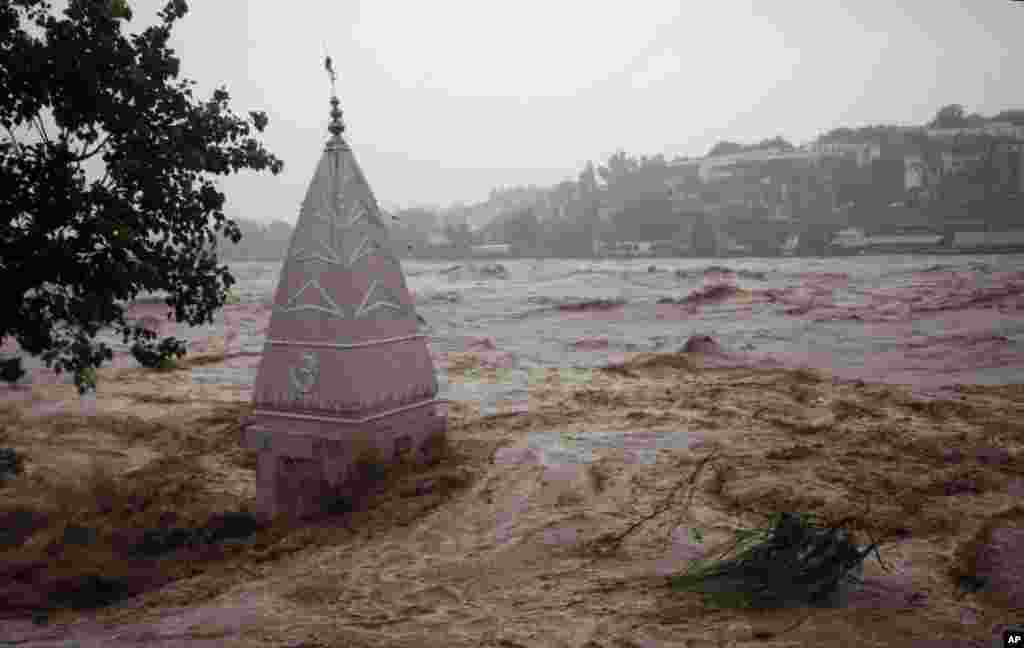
(610, 542)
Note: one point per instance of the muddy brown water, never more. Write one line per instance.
(546, 454)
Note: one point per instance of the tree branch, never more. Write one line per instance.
(41, 128)
(85, 156)
(14, 139)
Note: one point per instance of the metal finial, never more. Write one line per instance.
(336, 126)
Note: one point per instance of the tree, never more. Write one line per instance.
(619, 166)
(587, 180)
(975, 120)
(561, 196)
(522, 229)
(724, 148)
(778, 142)
(73, 251)
(1015, 117)
(837, 134)
(864, 134)
(653, 161)
(646, 219)
(951, 116)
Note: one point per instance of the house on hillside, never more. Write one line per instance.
(863, 152)
(960, 157)
(995, 129)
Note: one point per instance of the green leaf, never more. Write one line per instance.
(98, 80)
(119, 9)
(85, 380)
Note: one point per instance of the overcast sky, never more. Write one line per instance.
(444, 100)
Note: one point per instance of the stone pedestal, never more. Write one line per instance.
(306, 464)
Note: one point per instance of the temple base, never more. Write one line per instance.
(305, 467)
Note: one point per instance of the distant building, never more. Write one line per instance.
(1009, 161)
(724, 166)
(628, 248)
(915, 171)
(1012, 238)
(958, 160)
(997, 129)
(498, 249)
(863, 152)
(854, 239)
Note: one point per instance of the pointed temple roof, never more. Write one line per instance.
(343, 359)
(341, 285)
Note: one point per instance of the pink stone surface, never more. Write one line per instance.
(303, 462)
(343, 369)
(364, 378)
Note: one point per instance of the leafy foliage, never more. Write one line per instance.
(587, 179)
(520, 228)
(72, 251)
(647, 219)
(11, 370)
(724, 148)
(160, 357)
(621, 165)
(795, 560)
(1015, 117)
(12, 464)
(730, 148)
(951, 116)
(863, 134)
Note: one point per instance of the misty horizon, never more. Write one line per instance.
(445, 102)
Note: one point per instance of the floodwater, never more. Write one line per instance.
(583, 462)
(927, 321)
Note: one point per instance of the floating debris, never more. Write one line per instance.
(795, 561)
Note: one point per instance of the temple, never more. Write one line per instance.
(344, 370)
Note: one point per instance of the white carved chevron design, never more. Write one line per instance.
(340, 226)
(363, 309)
(292, 305)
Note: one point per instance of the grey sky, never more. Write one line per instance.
(444, 100)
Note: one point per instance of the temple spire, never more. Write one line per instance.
(344, 365)
(336, 127)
